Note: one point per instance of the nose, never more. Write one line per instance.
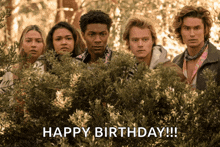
(140, 43)
(63, 41)
(97, 38)
(192, 32)
(33, 44)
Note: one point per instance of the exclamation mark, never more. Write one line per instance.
(175, 132)
(171, 131)
(167, 131)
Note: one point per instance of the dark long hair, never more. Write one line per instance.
(79, 45)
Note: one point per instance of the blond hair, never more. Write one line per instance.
(140, 22)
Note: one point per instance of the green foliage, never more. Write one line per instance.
(3, 16)
(72, 94)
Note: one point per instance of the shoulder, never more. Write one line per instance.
(213, 52)
(176, 68)
(178, 57)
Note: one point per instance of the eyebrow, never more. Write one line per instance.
(33, 38)
(97, 32)
(191, 26)
(65, 36)
(140, 37)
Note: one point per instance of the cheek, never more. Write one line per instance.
(55, 45)
(150, 46)
(26, 47)
(133, 48)
(41, 48)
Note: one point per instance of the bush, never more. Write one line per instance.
(73, 94)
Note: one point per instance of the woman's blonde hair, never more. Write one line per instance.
(22, 54)
(25, 31)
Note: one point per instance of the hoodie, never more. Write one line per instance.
(159, 56)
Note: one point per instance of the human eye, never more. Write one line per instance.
(28, 40)
(102, 34)
(39, 41)
(186, 28)
(58, 38)
(91, 34)
(197, 28)
(145, 39)
(134, 39)
(69, 38)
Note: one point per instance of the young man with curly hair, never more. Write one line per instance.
(95, 27)
(141, 39)
(192, 27)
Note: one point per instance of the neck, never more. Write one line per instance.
(194, 50)
(147, 59)
(93, 59)
(31, 60)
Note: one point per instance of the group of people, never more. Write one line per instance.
(192, 26)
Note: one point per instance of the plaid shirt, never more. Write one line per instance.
(85, 57)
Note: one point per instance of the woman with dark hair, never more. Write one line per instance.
(65, 38)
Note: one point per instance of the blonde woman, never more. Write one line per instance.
(31, 49)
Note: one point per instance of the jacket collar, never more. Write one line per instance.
(85, 57)
(212, 56)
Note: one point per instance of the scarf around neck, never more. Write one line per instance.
(188, 57)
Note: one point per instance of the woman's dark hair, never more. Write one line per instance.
(79, 45)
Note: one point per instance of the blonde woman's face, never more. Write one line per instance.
(33, 44)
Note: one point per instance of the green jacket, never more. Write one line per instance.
(212, 62)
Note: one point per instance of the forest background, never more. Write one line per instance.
(46, 13)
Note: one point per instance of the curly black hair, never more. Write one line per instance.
(95, 16)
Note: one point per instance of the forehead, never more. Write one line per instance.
(33, 34)
(61, 32)
(192, 21)
(96, 27)
(136, 32)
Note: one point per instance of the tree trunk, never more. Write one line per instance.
(59, 11)
(9, 20)
(72, 16)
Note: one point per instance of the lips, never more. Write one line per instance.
(140, 50)
(192, 40)
(33, 51)
(64, 48)
(98, 47)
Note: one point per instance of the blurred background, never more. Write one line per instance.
(46, 13)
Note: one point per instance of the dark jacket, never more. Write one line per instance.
(212, 62)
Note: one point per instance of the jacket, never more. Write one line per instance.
(159, 56)
(85, 57)
(7, 80)
(212, 62)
